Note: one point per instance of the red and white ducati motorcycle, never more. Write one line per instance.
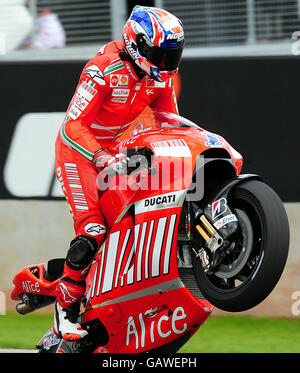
(187, 232)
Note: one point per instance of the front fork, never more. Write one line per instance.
(213, 241)
(217, 224)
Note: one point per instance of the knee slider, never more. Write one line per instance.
(81, 252)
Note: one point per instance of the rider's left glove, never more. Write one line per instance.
(110, 164)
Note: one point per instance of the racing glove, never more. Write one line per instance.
(110, 164)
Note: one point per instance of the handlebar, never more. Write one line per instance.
(23, 309)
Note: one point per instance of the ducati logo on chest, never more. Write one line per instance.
(153, 83)
(119, 80)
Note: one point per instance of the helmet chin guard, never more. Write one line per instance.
(154, 39)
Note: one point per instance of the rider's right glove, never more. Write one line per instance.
(110, 164)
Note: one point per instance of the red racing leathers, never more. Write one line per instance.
(109, 97)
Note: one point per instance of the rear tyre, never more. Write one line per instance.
(251, 271)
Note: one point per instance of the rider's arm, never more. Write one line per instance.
(166, 101)
(75, 131)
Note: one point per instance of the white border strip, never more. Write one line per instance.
(85, 53)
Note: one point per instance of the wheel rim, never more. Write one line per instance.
(240, 266)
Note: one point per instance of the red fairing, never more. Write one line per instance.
(135, 287)
(30, 280)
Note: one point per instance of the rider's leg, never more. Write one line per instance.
(77, 177)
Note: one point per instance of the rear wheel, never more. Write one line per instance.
(257, 257)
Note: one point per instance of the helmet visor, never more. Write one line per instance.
(164, 58)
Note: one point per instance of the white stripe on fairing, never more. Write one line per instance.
(140, 253)
(110, 261)
(129, 259)
(130, 273)
(147, 249)
(101, 270)
(159, 237)
(124, 246)
(169, 244)
(136, 235)
(94, 281)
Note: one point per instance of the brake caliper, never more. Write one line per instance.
(216, 224)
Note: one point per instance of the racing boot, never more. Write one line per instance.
(67, 307)
(71, 288)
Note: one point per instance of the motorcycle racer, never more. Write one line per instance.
(115, 86)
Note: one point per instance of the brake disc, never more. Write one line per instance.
(232, 269)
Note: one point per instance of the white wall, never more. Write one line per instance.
(15, 24)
